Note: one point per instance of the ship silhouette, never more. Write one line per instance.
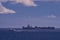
(30, 28)
(36, 27)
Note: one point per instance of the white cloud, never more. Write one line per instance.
(4, 10)
(26, 2)
(51, 16)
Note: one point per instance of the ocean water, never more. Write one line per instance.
(36, 35)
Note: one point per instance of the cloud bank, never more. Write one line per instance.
(26, 2)
(4, 10)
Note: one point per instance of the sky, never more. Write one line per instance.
(18, 13)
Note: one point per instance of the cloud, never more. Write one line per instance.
(4, 10)
(51, 16)
(26, 2)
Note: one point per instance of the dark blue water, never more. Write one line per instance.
(9, 35)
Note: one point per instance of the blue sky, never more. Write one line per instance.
(44, 14)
